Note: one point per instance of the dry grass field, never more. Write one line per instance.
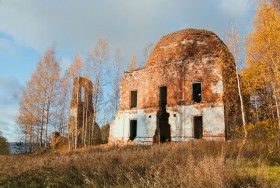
(190, 164)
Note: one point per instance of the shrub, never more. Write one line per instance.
(263, 141)
(105, 133)
(4, 146)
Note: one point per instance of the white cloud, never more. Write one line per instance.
(77, 25)
(236, 8)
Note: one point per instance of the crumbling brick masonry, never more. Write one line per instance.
(186, 91)
(82, 132)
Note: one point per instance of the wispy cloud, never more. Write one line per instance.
(77, 25)
(236, 8)
(6, 46)
(10, 90)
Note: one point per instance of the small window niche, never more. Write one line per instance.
(133, 99)
(133, 129)
(196, 92)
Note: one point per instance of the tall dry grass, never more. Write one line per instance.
(191, 164)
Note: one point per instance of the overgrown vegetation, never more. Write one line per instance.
(191, 164)
(105, 133)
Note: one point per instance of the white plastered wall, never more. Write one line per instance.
(181, 124)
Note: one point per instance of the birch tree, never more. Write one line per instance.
(74, 70)
(39, 95)
(118, 69)
(63, 101)
(147, 51)
(27, 118)
(96, 63)
(133, 62)
(233, 42)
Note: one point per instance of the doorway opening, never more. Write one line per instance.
(198, 129)
(163, 116)
(164, 127)
(133, 129)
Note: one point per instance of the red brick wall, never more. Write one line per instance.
(177, 76)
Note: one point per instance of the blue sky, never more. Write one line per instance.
(29, 27)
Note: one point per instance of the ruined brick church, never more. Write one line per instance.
(186, 91)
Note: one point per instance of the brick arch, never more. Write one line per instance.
(79, 83)
(83, 131)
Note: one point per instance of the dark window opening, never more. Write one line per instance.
(133, 99)
(198, 130)
(133, 129)
(163, 96)
(196, 92)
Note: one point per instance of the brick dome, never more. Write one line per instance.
(183, 44)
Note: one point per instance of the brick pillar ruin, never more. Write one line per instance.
(82, 132)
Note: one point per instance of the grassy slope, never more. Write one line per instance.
(192, 164)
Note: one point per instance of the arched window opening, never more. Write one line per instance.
(82, 94)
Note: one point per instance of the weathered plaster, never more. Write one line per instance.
(178, 60)
(181, 124)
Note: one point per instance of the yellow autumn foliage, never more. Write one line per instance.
(263, 44)
(261, 78)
